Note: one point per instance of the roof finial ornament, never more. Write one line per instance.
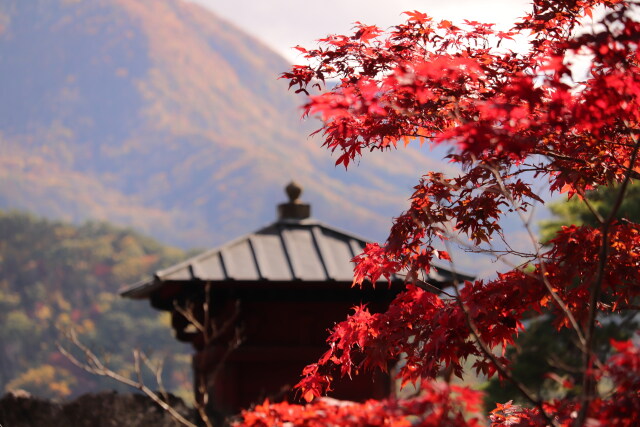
(294, 210)
(293, 190)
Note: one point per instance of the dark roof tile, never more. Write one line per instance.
(288, 250)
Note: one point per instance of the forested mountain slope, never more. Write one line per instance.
(55, 275)
(160, 115)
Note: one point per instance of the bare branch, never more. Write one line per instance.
(94, 365)
(157, 371)
(188, 314)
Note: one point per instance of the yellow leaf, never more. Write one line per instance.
(308, 396)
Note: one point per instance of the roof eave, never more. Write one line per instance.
(142, 289)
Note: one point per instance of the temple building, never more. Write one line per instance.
(258, 309)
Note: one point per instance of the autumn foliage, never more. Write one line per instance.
(516, 110)
(438, 405)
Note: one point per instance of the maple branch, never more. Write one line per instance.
(501, 111)
(426, 286)
(536, 247)
(559, 156)
(621, 307)
(596, 289)
(555, 362)
(498, 253)
(591, 208)
(489, 354)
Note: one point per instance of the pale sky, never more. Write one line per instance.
(282, 24)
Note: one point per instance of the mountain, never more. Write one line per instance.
(159, 115)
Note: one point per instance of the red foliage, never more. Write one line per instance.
(513, 120)
(621, 407)
(439, 405)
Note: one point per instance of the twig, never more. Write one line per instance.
(487, 352)
(543, 275)
(95, 366)
(188, 314)
(426, 286)
(157, 371)
(136, 365)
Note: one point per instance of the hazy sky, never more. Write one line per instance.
(283, 24)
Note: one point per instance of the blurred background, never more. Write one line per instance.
(134, 132)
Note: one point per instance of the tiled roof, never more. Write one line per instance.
(287, 250)
(295, 248)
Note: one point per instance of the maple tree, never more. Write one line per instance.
(513, 119)
(541, 354)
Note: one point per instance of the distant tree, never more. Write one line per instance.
(54, 274)
(45, 381)
(507, 116)
(578, 211)
(547, 361)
